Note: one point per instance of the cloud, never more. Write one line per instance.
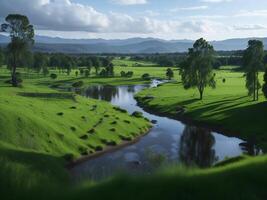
(251, 13)
(249, 27)
(57, 14)
(130, 2)
(215, 1)
(190, 8)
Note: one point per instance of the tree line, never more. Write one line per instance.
(196, 67)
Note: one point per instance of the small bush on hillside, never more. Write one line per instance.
(69, 157)
(77, 84)
(53, 76)
(146, 76)
(224, 80)
(137, 114)
(87, 73)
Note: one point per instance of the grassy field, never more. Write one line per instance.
(227, 107)
(40, 126)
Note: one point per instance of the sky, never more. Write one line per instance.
(121, 19)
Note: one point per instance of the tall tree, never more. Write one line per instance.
(169, 73)
(22, 37)
(253, 62)
(264, 87)
(1, 57)
(196, 71)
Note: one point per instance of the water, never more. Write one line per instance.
(168, 142)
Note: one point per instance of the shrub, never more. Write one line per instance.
(120, 109)
(53, 76)
(73, 128)
(123, 74)
(146, 76)
(129, 74)
(69, 157)
(224, 80)
(77, 84)
(60, 114)
(137, 114)
(87, 73)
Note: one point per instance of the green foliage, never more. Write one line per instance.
(169, 73)
(146, 76)
(87, 73)
(264, 87)
(253, 63)
(53, 76)
(22, 36)
(78, 84)
(40, 62)
(196, 72)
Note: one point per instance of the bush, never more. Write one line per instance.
(87, 73)
(129, 74)
(77, 84)
(69, 157)
(137, 114)
(123, 74)
(224, 80)
(146, 76)
(53, 76)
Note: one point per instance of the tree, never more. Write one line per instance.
(253, 62)
(22, 37)
(45, 71)
(1, 57)
(196, 71)
(264, 87)
(86, 73)
(169, 73)
(40, 61)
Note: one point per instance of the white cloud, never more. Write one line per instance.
(57, 14)
(130, 2)
(252, 13)
(190, 8)
(249, 27)
(215, 1)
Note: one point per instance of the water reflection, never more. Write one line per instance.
(196, 147)
(106, 93)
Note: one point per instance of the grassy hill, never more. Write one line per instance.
(42, 127)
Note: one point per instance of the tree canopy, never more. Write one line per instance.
(196, 71)
(22, 37)
(253, 63)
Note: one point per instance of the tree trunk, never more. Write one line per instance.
(200, 93)
(257, 77)
(13, 74)
(254, 87)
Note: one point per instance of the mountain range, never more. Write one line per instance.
(127, 46)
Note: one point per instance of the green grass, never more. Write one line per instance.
(228, 106)
(40, 126)
(37, 131)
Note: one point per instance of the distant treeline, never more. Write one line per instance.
(38, 60)
(175, 59)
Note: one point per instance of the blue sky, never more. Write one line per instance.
(172, 19)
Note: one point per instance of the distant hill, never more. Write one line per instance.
(132, 45)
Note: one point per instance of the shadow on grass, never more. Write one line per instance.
(48, 95)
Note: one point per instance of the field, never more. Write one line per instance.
(227, 108)
(41, 127)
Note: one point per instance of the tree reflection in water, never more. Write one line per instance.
(196, 147)
(106, 93)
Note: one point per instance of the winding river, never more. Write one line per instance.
(168, 142)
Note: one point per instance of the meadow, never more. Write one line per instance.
(42, 128)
